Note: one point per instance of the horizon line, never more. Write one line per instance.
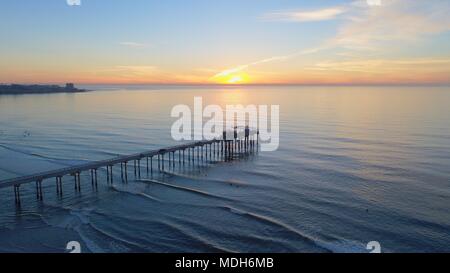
(243, 85)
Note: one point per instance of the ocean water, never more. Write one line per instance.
(355, 164)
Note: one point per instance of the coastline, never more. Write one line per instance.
(18, 89)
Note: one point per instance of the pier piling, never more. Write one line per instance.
(17, 194)
(59, 190)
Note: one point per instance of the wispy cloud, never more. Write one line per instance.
(130, 72)
(245, 66)
(133, 44)
(143, 74)
(373, 2)
(375, 25)
(383, 66)
(407, 70)
(240, 68)
(305, 16)
(367, 22)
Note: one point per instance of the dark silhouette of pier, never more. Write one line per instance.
(188, 154)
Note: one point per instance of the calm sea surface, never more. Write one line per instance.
(355, 164)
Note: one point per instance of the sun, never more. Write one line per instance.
(232, 78)
(235, 79)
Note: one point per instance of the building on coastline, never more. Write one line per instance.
(37, 89)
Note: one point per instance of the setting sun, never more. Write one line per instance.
(231, 78)
(235, 79)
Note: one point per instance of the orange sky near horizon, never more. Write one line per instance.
(333, 42)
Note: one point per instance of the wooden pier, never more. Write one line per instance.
(191, 153)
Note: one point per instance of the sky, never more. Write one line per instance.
(225, 42)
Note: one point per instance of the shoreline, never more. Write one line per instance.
(43, 93)
(19, 89)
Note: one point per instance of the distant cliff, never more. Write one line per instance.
(38, 89)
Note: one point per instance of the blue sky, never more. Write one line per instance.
(234, 41)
